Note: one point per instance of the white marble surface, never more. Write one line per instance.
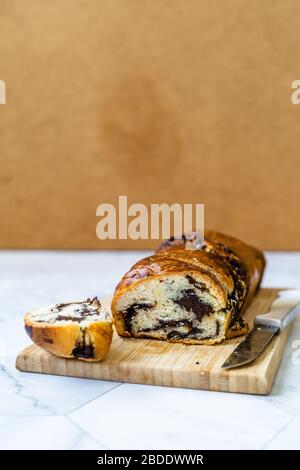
(47, 412)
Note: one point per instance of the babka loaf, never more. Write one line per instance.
(81, 330)
(189, 296)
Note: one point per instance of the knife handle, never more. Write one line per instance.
(283, 310)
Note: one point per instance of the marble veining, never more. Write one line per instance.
(18, 390)
(39, 411)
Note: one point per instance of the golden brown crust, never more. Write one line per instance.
(252, 258)
(220, 244)
(170, 261)
(234, 271)
(70, 340)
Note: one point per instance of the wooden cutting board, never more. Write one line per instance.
(175, 365)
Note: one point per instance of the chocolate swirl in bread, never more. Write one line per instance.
(77, 330)
(189, 296)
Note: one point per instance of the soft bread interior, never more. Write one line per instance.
(84, 313)
(175, 307)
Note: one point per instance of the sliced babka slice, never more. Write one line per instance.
(81, 330)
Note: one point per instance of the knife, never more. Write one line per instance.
(282, 312)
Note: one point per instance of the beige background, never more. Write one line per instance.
(165, 101)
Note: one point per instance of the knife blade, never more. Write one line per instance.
(282, 312)
(251, 347)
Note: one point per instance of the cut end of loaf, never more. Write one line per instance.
(173, 308)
